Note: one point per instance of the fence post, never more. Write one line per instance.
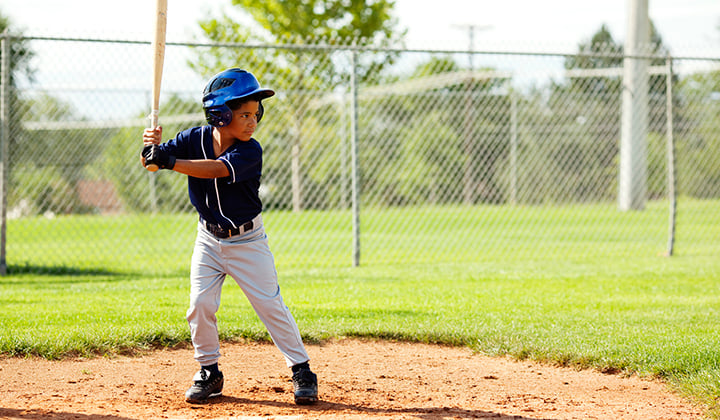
(344, 180)
(354, 161)
(672, 190)
(513, 148)
(4, 139)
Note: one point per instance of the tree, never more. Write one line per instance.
(696, 134)
(334, 19)
(139, 189)
(437, 134)
(361, 22)
(586, 115)
(38, 194)
(21, 53)
(602, 52)
(303, 74)
(586, 121)
(20, 57)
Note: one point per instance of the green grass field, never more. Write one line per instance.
(579, 302)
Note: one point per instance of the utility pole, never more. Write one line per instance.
(471, 28)
(632, 189)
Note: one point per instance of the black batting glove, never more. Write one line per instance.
(154, 154)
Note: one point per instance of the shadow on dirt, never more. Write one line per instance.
(330, 409)
(34, 414)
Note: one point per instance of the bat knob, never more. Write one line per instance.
(152, 167)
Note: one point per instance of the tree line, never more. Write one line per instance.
(436, 134)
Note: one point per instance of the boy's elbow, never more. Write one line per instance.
(220, 170)
(222, 173)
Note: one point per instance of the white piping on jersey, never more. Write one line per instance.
(215, 182)
(202, 146)
(232, 170)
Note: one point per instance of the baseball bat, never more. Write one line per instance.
(158, 47)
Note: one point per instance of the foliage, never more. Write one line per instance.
(601, 52)
(337, 21)
(20, 51)
(697, 126)
(45, 190)
(304, 74)
(582, 148)
(139, 189)
(53, 150)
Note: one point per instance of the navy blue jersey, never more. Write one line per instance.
(230, 201)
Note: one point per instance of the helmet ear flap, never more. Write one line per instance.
(218, 116)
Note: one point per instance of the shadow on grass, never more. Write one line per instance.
(59, 270)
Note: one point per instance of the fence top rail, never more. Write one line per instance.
(359, 46)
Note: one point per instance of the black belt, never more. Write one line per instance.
(222, 233)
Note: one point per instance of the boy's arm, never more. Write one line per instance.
(201, 168)
(198, 168)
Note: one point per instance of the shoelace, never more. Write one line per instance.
(304, 381)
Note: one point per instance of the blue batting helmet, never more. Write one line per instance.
(226, 86)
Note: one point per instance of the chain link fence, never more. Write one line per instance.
(372, 156)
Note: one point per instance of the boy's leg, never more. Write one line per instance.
(252, 265)
(206, 280)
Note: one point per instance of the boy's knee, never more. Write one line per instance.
(202, 304)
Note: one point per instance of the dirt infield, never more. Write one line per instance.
(357, 380)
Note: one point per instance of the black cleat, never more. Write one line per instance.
(205, 385)
(305, 385)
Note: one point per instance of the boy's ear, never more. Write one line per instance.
(261, 111)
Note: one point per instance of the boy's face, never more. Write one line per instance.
(244, 120)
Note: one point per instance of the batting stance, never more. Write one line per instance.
(223, 163)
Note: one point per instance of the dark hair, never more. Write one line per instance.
(237, 103)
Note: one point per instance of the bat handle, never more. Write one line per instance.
(154, 117)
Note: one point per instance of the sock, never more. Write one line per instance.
(212, 368)
(296, 368)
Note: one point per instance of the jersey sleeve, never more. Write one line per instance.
(180, 146)
(243, 162)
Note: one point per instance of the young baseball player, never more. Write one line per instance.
(223, 163)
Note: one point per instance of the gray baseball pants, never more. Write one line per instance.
(245, 257)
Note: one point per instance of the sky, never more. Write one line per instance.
(690, 28)
(687, 25)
